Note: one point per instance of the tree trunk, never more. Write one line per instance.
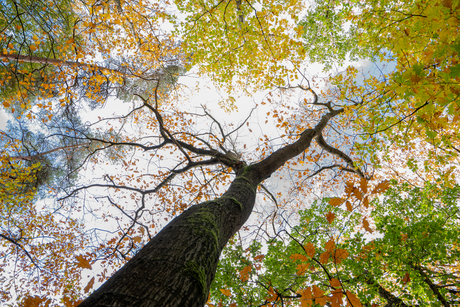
(177, 266)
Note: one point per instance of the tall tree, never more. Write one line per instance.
(177, 266)
(158, 157)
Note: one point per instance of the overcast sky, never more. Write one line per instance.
(3, 119)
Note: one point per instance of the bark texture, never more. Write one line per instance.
(177, 266)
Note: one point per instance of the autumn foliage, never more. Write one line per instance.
(108, 140)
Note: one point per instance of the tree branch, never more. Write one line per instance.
(322, 143)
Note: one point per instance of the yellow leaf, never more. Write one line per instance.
(336, 299)
(357, 193)
(33, 47)
(89, 286)
(349, 188)
(226, 292)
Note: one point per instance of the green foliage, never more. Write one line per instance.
(415, 244)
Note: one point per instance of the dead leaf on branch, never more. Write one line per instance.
(244, 273)
(226, 292)
(336, 201)
(406, 278)
(82, 262)
(381, 187)
(366, 226)
(330, 217)
(309, 249)
(89, 286)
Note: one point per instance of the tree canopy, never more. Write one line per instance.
(264, 181)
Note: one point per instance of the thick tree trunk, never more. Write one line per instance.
(177, 266)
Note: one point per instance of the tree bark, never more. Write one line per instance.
(177, 266)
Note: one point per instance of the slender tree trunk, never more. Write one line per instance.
(49, 61)
(177, 266)
(37, 156)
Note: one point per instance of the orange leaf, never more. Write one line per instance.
(33, 301)
(406, 278)
(244, 273)
(330, 245)
(306, 299)
(82, 262)
(309, 249)
(366, 202)
(259, 257)
(6, 104)
(349, 206)
(273, 295)
(366, 225)
(357, 193)
(335, 283)
(324, 257)
(319, 296)
(336, 299)
(353, 300)
(89, 286)
(381, 187)
(301, 268)
(137, 239)
(226, 292)
(349, 188)
(298, 257)
(330, 217)
(336, 201)
(363, 185)
(339, 255)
